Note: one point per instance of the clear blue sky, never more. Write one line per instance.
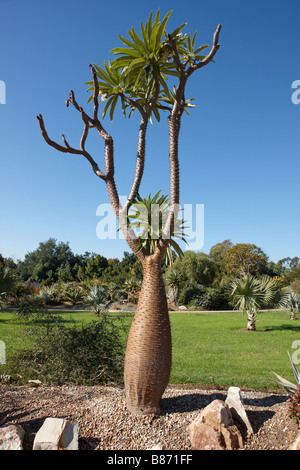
(239, 149)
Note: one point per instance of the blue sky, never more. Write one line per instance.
(239, 149)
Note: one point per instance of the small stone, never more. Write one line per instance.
(35, 382)
(236, 404)
(57, 434)
(11, 437)
(157, 447)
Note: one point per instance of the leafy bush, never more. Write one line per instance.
(72, 293)
(294, 406)
(190, 293)
(211, 299)
(204, 298)
(49, 294)
(96, 299)
(30, 307)
(90, 354)
(288, 386)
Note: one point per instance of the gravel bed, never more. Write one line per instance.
(105, 423)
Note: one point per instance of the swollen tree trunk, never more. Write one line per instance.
(148, 353)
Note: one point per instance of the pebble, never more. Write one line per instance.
(106, 424)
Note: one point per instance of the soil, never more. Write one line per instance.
(105, 423)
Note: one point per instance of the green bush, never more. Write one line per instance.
(211, 299)
(88, 354)
(190, 293)
(201, 297)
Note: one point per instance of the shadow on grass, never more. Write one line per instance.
(285, 327)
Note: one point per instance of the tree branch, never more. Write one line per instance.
(140, 162)
(210, 56)
(68, 149)
(174, 129)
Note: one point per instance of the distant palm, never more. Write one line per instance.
(96, 299)
(174, 281)
(250, 293)
(290, 301)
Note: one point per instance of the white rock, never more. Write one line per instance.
(57, 434)
(11, 437)
(157, 447)
(236, 404)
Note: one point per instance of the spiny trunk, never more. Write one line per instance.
(148, 353)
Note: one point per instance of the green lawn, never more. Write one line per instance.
(208, 348)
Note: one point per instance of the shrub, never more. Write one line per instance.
(190, 293)
(204, 298)
(294, 406)
(211, 299)
(96, 299)
(72, 293)
(30, 307)
(90, 354)
(49, 294)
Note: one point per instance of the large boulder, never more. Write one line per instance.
(11, 437)
(214, 429)
(57, 434)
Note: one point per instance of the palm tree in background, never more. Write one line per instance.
(8, 281)
(290, 302)
(148, 76)
(250, 293)
(174, 282)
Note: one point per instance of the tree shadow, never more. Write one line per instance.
(266, 401)
(197, 401)
(285, 327)
(188, 402)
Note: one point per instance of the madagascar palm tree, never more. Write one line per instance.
(148, 76)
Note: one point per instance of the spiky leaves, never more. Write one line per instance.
(249, 292)
(139, 76)
(149, 216)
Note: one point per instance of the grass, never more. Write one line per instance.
(209, 349)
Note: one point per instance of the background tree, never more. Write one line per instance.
(244, 259)
(195, 268)
(45, 263)
(8, 281)
(218, 251)
(138, 79)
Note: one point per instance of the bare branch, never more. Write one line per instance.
(210, 56)
(68, 149)
(96, 92)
